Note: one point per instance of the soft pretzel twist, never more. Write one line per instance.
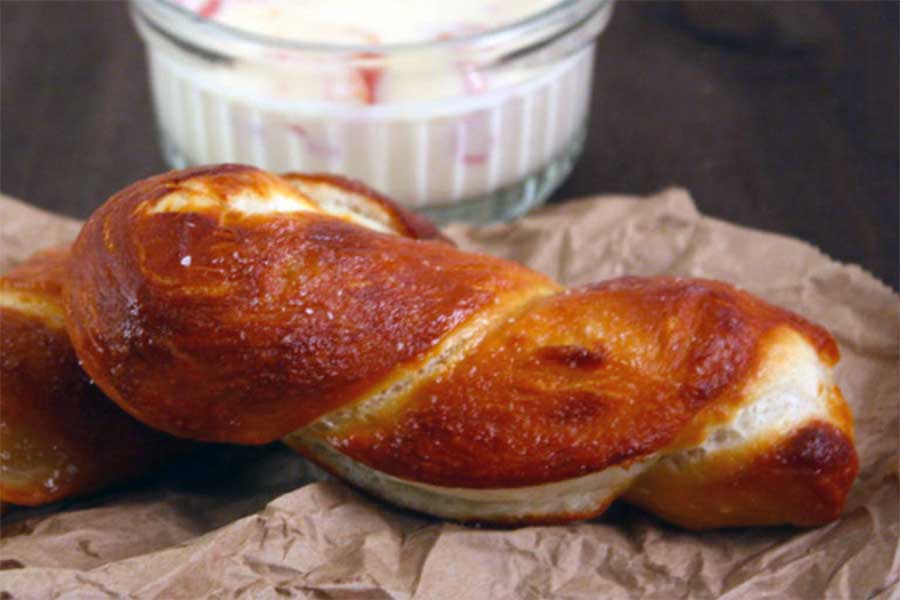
(229, 304)
(59, 435)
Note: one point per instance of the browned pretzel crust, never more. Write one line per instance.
(59, 435)
(535, 401)
(229, 304)
(272, 308)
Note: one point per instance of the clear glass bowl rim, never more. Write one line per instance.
(509, 31)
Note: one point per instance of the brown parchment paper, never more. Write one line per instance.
(260, 523)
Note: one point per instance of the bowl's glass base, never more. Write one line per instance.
(516, 199)
(503, 204)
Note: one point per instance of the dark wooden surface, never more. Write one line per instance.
(777, 116)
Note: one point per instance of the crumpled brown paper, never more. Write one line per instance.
(255, 522)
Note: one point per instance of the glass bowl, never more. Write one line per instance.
(480, 128)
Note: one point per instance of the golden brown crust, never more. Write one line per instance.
(802, 480)
(59, 436)
(223, 304)
(277, 319)
(42, 273)
(534, 403)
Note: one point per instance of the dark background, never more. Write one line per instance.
(777, 116)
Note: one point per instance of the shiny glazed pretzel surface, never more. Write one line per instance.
(229, 304)
(59, 435)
